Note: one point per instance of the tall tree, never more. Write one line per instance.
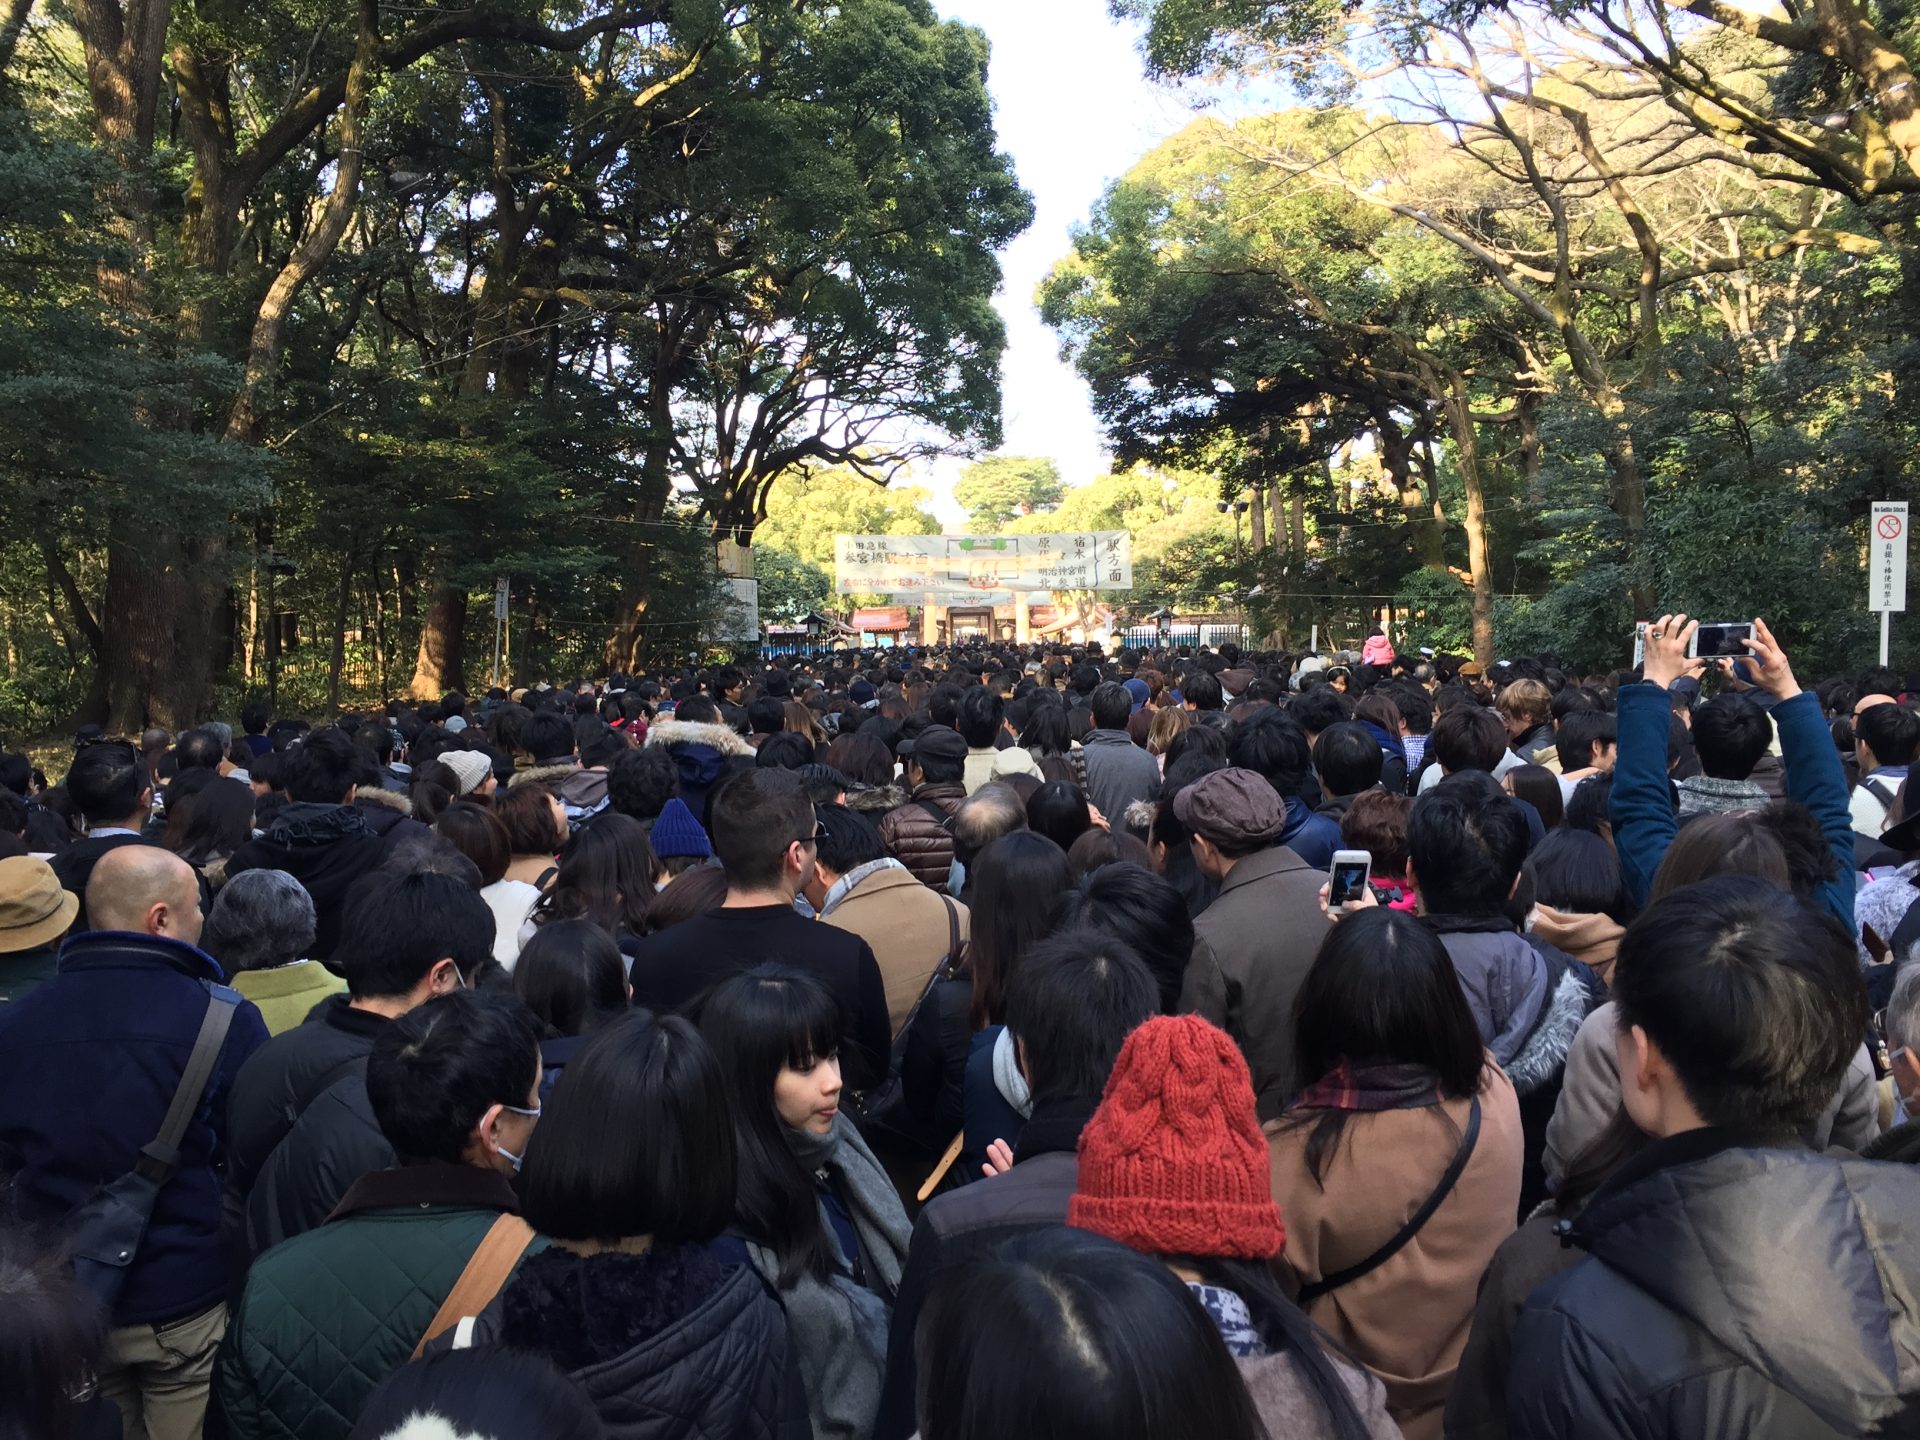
(998, 488)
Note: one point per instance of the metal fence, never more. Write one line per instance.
(1210, 635)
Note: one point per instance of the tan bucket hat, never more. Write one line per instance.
(34, 910)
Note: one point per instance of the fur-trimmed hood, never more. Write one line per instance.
(429, 1427)
(1544, 1053)
(543, 774)
(392, 800)
(683, 732)
(878, 800)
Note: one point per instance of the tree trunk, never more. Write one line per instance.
(1397, 459)
(11, 29)
(337, 662)
(1258, 518)
(156, 657)
(441, 664)
(1527, 406)
(628, 639)
(1479, 562)
(1850, 36)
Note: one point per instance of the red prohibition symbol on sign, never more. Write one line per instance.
(1889, 527)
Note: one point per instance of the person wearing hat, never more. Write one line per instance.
(679, 841)
(34, 914)
(917, 833)
(1173, 1164)
(1255, 943)
(474, 770)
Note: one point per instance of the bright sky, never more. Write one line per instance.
(1074, 111)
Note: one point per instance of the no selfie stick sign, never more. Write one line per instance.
(1887, 571)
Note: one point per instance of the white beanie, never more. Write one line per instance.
(470, 768)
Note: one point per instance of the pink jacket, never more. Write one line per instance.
(1377, 651)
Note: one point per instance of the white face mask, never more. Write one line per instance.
(512, 1159)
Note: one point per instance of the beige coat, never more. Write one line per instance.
(906, 925)
(1408, 1319)
(1593, 940)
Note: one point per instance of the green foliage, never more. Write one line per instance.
(1000, 487)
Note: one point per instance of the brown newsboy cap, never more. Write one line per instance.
(1232, 808)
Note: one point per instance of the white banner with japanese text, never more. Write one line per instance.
(917, 565)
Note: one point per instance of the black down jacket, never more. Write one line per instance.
(1768, 1294)
(678, 1343)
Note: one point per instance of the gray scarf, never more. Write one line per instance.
(844, 886)
(1704, 795)
(839, 1324)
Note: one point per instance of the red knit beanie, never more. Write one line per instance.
(1173, 1161)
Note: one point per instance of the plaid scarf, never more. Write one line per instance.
(1371, 1087)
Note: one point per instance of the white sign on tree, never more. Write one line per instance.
(1887, 568)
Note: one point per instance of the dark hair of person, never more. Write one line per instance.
(1047, 732)
(1380, 992)
(1202, 690)
(1144, 912)
(864, 759)
(1059, 812)
(1803, 843)
(754, 816)
(13, 814)
(322, 767)
(398, 927)
(527, 812)
(1347, 758)
(52, 1337)
(436, 1071)
(697, 710)
(636, 1139)
(1376, 822)
(1589, 810)
(476, 832)
(1034, 1337)
(547, 737)
(979, 717)
(1730, 734)
(199, 749)
(767, 716)
(1540, 788)
(1077, 996)
(1318, 710)
(692, 893)
(1740, 843)
(1015, 882)
(1466, 840)
(572, 977)
(1580, 735)
(851, 839)
(1111, 706)
(213, 824)
(1578, 873)
(1752, 995)
(1113, 846)
(606, 876)
(784, 750)
(1468, 737)
(484, 1394)
(1270, 743)
(106, 781)
(759, 1022)
(640, 782)
(1892, 732)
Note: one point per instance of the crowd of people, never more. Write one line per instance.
(969, 1043)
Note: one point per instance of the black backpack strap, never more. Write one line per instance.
(1310, 1293)
(940, 817)
(160, 1157)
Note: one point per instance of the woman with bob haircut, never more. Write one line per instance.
(638, 1297)
(1402, 1116)
(574, 980)
(1071, 1336)
(822, 1220)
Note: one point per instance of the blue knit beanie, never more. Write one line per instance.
(677, 833)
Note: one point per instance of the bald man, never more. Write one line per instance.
(144, 890)
(89, 1063)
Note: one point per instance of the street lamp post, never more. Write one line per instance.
(1239, 508)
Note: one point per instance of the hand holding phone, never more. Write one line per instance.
(1347, 878)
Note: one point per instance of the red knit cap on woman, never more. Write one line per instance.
(1173, 1161)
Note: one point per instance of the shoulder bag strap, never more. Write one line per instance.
(486, 1272)
(160, 1157)
(942, 968)
(1310, 1293)
(940, 816)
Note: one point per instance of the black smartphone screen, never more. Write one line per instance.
(1348, 885)
(1718, 641)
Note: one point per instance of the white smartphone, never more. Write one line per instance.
(1721, 642)
(1347, 879)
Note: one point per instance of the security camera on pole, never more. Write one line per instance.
(1887, 578)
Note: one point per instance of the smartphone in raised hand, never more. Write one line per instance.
(1347, 877)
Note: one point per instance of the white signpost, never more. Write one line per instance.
(1887, 582)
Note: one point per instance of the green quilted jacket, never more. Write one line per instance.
(328, 1315)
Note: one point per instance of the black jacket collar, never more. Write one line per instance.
(1054, 1127)
(1686, 1148)
(338, 1012)
(460, 1186)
